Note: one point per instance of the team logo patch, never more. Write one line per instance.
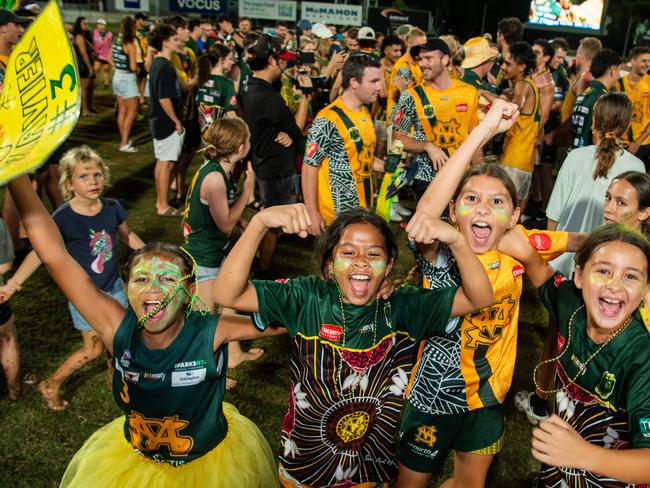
(311, 149)
(125, 360)
(282, 280)
(331, 332)
(558, 279)
(131, 376)
(355, 135)
(398, 117)
(426, 435)
(540, 242)
(644, 425)
(233, 100)
(605, 386)
(560, 342)
(429, 111)
(461, 107)
(517, 270)
(187, 230)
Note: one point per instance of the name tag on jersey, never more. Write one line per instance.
(188, 378)
(461, 107)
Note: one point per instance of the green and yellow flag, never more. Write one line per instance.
(39, 103)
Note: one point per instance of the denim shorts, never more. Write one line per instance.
(125, 85)
(118, 292)
(203, 273)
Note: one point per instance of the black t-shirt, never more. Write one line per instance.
(266, 115)
(92, 240)
(163, 83)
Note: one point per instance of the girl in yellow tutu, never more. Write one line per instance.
(170, 373)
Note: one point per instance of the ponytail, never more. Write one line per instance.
(612, 116)
(205, 63)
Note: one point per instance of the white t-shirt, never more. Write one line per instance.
(577, 200)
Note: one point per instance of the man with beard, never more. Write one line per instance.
(440, 112)
(337, 174)
(637, 86)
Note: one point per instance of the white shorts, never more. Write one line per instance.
(521, 178)
(169, 149)
(125, 84)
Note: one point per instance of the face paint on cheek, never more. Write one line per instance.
(378, 267)
(342, 264)
(463, 210)
(501, 215)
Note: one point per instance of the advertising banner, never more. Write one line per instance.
(204, 7)
(39, 103)
(140, 5)
(268, 9)
(332, 13)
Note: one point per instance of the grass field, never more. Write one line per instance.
(37, 444)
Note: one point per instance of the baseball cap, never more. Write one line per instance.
(101, 21)
(8, 17)
(403, 29)
(477, 52)
(321, 31)
(432, 44)
(366, 33)
(304, 24)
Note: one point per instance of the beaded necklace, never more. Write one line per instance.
(583, 368)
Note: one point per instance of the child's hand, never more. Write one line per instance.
(292, 219)
(515, 244)
(6, 292)
(501, 116)
(424, 229)
(283, 139)
(249, 182)
(386, 289)
(556, 443)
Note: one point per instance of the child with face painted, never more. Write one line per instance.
(91, 226)
(352, 349)
(463, 375)
(600, 433)
(170, 372)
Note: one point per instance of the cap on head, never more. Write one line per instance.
(8, 17)
(477, 52)
(321, 31)
(367, 33)
(304, 24)
(432, 44)
(101, 21)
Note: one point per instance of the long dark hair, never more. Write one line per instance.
(76, 28)
(209, 59)
(641, 184)
(128, 29)
(612, 116)
(333, 234)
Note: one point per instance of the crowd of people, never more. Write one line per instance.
(334, 132)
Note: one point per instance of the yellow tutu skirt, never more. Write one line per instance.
(242, 460)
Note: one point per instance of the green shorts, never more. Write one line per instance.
(426, 439)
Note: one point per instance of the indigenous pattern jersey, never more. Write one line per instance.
(443, 117)
(581, 118)
(409, 72)
(203, 239)
(341, 144)
(639, 93)
(471, 366)
(186, 66)
(214, 99)
(519, 143)
(348, 376)
(171, 398)
(609, 402)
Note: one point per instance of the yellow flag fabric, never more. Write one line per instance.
(39, 103)
(385, 203)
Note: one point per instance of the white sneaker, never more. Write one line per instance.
(522, 402)
(404, 212)
(394, 215)
(128, 148)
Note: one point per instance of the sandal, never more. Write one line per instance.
(522, 402)
(170, 212)
(29, 379)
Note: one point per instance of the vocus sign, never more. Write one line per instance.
(207, 7)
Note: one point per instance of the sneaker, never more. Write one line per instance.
(128, 148)
(394, 215)
(522, 402)
(404, 212)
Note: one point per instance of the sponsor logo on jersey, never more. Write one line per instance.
(282, 280)
(398, 117)
(560, 342)
(540, 242)
(644, 426)
(188, 377)
(125, 359)
(155, 376)
(558, 279)
(233, 100)
(517, 270)
(331, 332)
(461, 107)
(311, 149)
(197, 363)
(131, 376)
